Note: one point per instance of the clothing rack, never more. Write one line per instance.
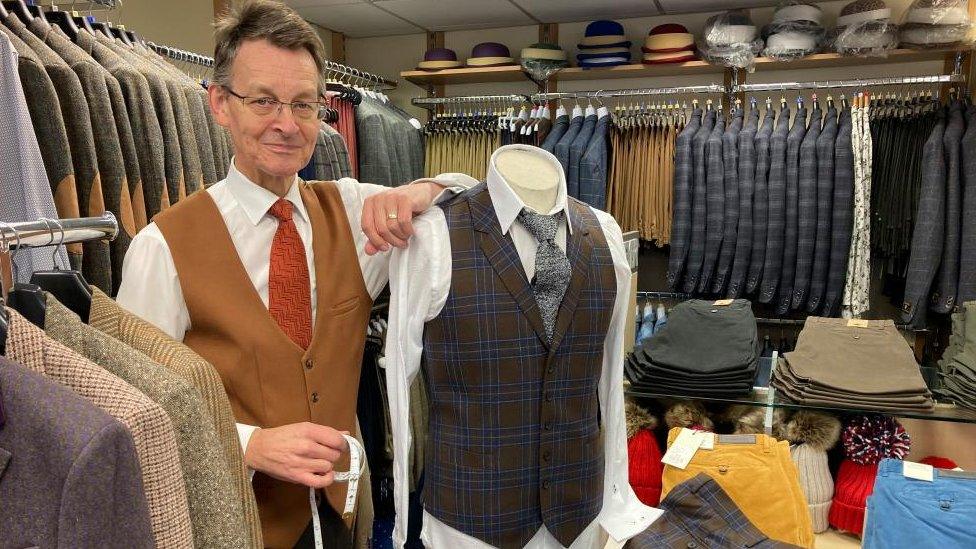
(55, 232)
(432, 102)
(177, 54)
(664, 295)
(603, 94)
(339, 71)
(855, 83)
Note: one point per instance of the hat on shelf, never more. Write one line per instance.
(811, 434)
(867, 439)
(730, 39)
(490, 54)
(865, 27)
(604, 34)
(644, 455)
(662, 58)
(439, 58)
(544, 51)
(936, 23)
(603, 52)
(795, 31)
(668, 38)
(862, 11)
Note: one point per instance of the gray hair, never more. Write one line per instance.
(262, 20)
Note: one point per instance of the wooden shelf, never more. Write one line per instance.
(513, 73)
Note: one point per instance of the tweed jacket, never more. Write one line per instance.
(151, 429)
(947, 279)
(747, 188)
(372, 132)
(593, 167)
(776, 220)
(927, 238)
(108, 146)
(25, 189)
(146, 130)
(216, 519)
(325, 160)
(807, 210)
(163, 105)
(842, 224)
(556, 133)
(714, 202)
(108, 317)
(967, 251)
(96, 261)
(681, 221)
(699, 207)
(730, 160)
(576, 150)
(69, 475)
(561, 148)
(793, 141)
(825, 198)
(760, 204)
(342, 152)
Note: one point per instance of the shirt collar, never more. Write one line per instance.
(256, 200)
(508, 205)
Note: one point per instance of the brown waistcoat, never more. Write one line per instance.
(270, 380)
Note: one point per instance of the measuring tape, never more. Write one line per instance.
(357, 464)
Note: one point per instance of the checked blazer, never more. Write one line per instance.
(699, 212)
(947, 279)
(681, 222)
(842, 224)
(730, 153)
(793, 141)
(515, 440)
(775, 239)
(760, 203)
(825, 198)
(714, 201)
(807, 212)
(747, 188)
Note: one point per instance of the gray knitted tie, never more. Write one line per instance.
(552, 270)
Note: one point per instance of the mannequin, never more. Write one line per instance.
(533, 179)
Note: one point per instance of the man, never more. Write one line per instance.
(271, 279)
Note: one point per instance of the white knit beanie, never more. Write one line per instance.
(816, 482)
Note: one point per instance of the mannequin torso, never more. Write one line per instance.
(533, 179)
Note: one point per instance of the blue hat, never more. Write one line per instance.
(621, 53)
(603, 33)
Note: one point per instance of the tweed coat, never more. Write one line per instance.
(730, 222)
(107, 316)
(747, 189)
(760, 204)
(699, 211)
(150, 427)
(947, 280)
(372, 132)
(576, 150)
(776, 220)
(825, 198)
(714, 202)
(561, 148)
(556, 133)
(793, 141)
(681, 221)
(593, 167)
(69, 475)
(807, 212)
(216, 520)
(842, 224)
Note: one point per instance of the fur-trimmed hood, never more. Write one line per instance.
(688, 414)
(815, 429)
(637, 419)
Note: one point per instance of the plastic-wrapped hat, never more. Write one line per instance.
(795, 31)
(864, 27)
(730, 39)
(604, 34)
(541, 60)
(544, 51)
(439, 58)
(936, 24)
(490, 54)
(668, 43)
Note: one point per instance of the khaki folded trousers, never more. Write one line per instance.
(759, 476)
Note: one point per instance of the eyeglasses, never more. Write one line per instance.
(266, 106)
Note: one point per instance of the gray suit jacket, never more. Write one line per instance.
(927, 240)
(681, 217)
(947, 280)
(807, 213)
(714, 202)
(747, 188)
(339, 144)
(793, 141)
(760, 204)
(841, 225)
(576, 150)
(555, 134)
(730, 154)
(69, 476)
(376, 157)
(699, 200)
(561, 148)
(967, 251)
(825, 199)
(773, 263)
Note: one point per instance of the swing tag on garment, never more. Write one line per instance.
(857, 323)
(918, 471)
(357, 464)
(723, 302)
(683, 449)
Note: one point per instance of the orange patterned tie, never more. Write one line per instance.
(289, 289)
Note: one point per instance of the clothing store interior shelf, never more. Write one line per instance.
(941, 412)
(513, 73)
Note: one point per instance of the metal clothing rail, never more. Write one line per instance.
(54, 232)
(603, 94)
(856, 83)
(366, 78)
(177, 54)
(431, 102)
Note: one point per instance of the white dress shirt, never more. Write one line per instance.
(151, 286)
(420, 279)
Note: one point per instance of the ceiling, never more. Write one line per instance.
(363, 18)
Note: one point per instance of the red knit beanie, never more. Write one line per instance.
(645, 467)
(867, 440)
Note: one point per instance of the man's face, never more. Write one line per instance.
(278, 144)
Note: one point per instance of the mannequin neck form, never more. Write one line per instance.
(533, 178)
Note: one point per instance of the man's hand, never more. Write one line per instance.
(301, 453)
(388, 216)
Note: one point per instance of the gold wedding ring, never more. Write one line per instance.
(391, 215)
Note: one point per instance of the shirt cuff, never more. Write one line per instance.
(453, 183)
(244, 433)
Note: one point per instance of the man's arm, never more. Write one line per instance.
(151, 286)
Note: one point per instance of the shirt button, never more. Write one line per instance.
(315, 397)
(545, 485)
(548, 397)
(308, 364)
(548, 426)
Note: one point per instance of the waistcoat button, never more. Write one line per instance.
(308, 364)
(315, 397)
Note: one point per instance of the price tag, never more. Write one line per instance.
(683, 449)
(708, 440)
(857, 323)
(724, 302)
(918, 471)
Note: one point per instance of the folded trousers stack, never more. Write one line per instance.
(861, 364)
(707, 349)
(958, 365)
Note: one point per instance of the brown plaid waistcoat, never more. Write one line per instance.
(515, 439)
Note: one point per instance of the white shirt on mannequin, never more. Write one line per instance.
(420, 278)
